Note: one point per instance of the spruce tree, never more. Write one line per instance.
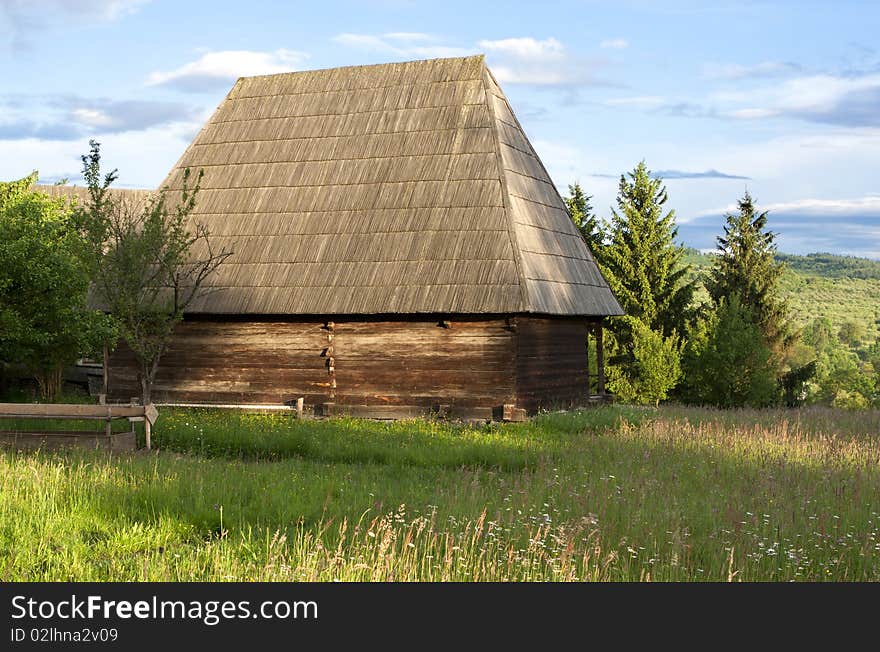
(581, 212)
(641, 261)
(746, 268)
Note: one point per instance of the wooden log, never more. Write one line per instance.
(404, 411)
(69, 411)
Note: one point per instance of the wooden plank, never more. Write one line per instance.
(69, 411)
(402, 411)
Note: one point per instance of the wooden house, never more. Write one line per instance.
(399, 248)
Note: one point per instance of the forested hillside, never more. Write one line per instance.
(841, 288)
(835, 300)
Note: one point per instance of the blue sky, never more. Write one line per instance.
(780, 98)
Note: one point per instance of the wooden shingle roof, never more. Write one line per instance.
(136, 196)
(394, 188)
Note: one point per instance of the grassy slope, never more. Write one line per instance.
(611, 493)
(841, 288)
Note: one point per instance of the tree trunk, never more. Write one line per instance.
(146, 389)
(148, 376)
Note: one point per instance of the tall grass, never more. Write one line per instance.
(604, 494)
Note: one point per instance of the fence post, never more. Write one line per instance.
(299, 408)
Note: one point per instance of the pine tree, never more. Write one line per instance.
(746, 268)
(641, 261)
(578, 204)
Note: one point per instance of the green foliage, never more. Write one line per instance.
(642, 263)
(794, 384)
(746, 268)
(150, 262)
(843, 379)
(655, 370)
(581, 212)
(646, 271)
(45, 322)
(691, 389)
(728, 363)
(852, 333)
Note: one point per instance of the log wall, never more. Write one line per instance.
(466, 362)
(551, 363)
(236, 362)
(371, 364)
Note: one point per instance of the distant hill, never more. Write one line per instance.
(842, 288)
(832, 266)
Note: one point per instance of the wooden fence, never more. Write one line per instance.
(29, 437)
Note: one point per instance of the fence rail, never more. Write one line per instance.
(106, 413)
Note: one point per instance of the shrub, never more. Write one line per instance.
(655, 371)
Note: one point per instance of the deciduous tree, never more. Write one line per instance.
(45, 321)
(151, 262)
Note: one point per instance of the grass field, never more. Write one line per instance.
(605, 494)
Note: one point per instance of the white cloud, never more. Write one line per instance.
(20, 19)
(72, 117)
(143, 157)
(99, 9)
(614, 44)
(215, 70)
(401, 45)
(534, 75)
(108, 9)
(642, 101)
(521, 60)
(738, 71)
(538, 62)
(92, 117)
(526, 48)
(834, 166)
(869, 204)
(409, 36)
(846, 101)
(751, 114)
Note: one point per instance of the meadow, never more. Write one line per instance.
(612, 493)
